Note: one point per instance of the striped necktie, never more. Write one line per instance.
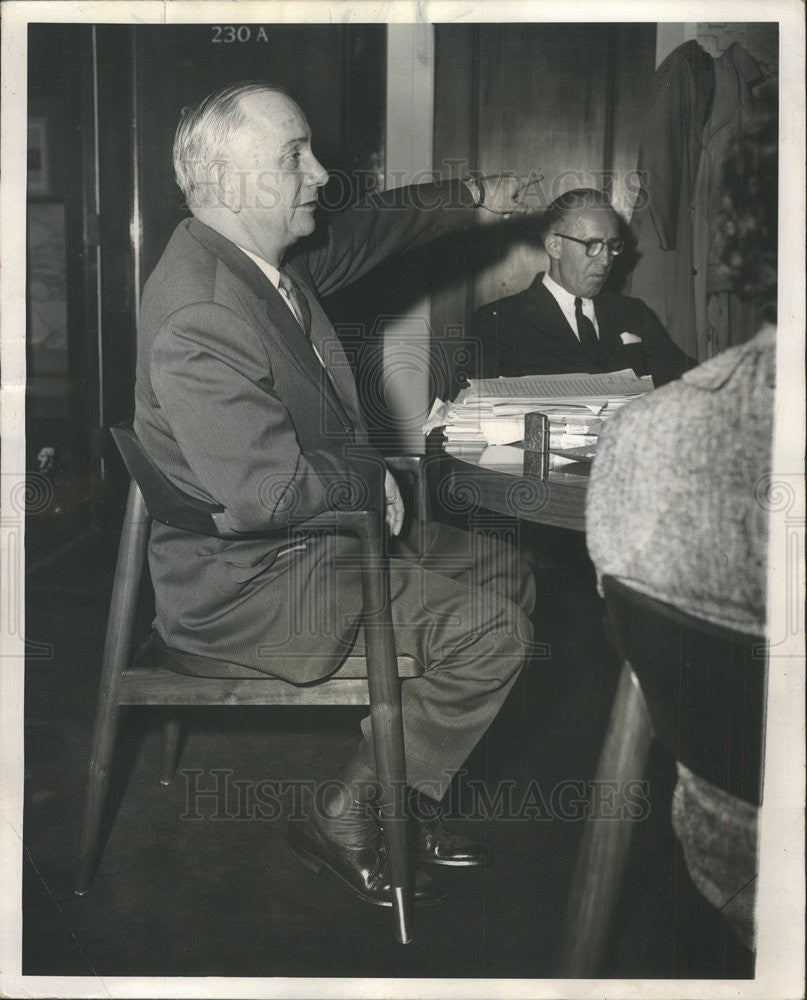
(298, 301)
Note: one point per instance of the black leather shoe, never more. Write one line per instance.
(437, 845)
(363, 869)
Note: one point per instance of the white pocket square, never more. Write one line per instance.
(630, 338)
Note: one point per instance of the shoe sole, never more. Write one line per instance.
(315, 865)
(451, 864)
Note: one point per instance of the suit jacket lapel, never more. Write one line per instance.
(556, 323)
(292, 341)
(608, 324)
(329, 346)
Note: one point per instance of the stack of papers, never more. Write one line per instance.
(491, 411)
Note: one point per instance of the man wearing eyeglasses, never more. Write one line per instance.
(564, 321)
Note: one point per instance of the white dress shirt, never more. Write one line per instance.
(273, 275)
(566, 302)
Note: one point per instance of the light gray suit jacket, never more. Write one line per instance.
(235, 408)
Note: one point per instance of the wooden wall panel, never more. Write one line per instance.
(542, 107)
(455, 133)
(634, 69)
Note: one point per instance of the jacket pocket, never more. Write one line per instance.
(245, 564)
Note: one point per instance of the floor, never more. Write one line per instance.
(194, 884)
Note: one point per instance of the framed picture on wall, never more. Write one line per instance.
(39, 182)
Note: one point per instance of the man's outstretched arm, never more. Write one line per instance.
(401, 219)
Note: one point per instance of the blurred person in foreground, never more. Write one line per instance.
(685, 465)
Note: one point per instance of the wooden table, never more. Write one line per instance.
(559, 500)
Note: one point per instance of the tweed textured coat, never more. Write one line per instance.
(676, 509)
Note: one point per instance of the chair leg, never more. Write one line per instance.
(106, 726)
(600, 867)
(387, 738)
(387, 721)
(117, 651)
(172, 727)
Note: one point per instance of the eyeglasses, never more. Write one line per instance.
(594, 247)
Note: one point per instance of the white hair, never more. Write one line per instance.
(206, 134)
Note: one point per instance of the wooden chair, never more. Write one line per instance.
(699, 690)
(147, 679)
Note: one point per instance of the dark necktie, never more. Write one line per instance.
(585, 328)
(298, 301)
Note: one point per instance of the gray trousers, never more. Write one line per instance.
(460, 606)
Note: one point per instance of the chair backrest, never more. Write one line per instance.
(164, 501)
(704, 685)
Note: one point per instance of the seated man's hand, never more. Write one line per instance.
(394, 510)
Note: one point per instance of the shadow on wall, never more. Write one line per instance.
(361, 311)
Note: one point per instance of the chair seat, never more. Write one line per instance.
(161, 675)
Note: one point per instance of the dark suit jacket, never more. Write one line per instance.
(527, 334)
(233, 405)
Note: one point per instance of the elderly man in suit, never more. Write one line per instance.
(564, 321)
(245, 398)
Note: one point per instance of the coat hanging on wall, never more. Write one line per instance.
(696, 114)
(669, 156)
(720, 320)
